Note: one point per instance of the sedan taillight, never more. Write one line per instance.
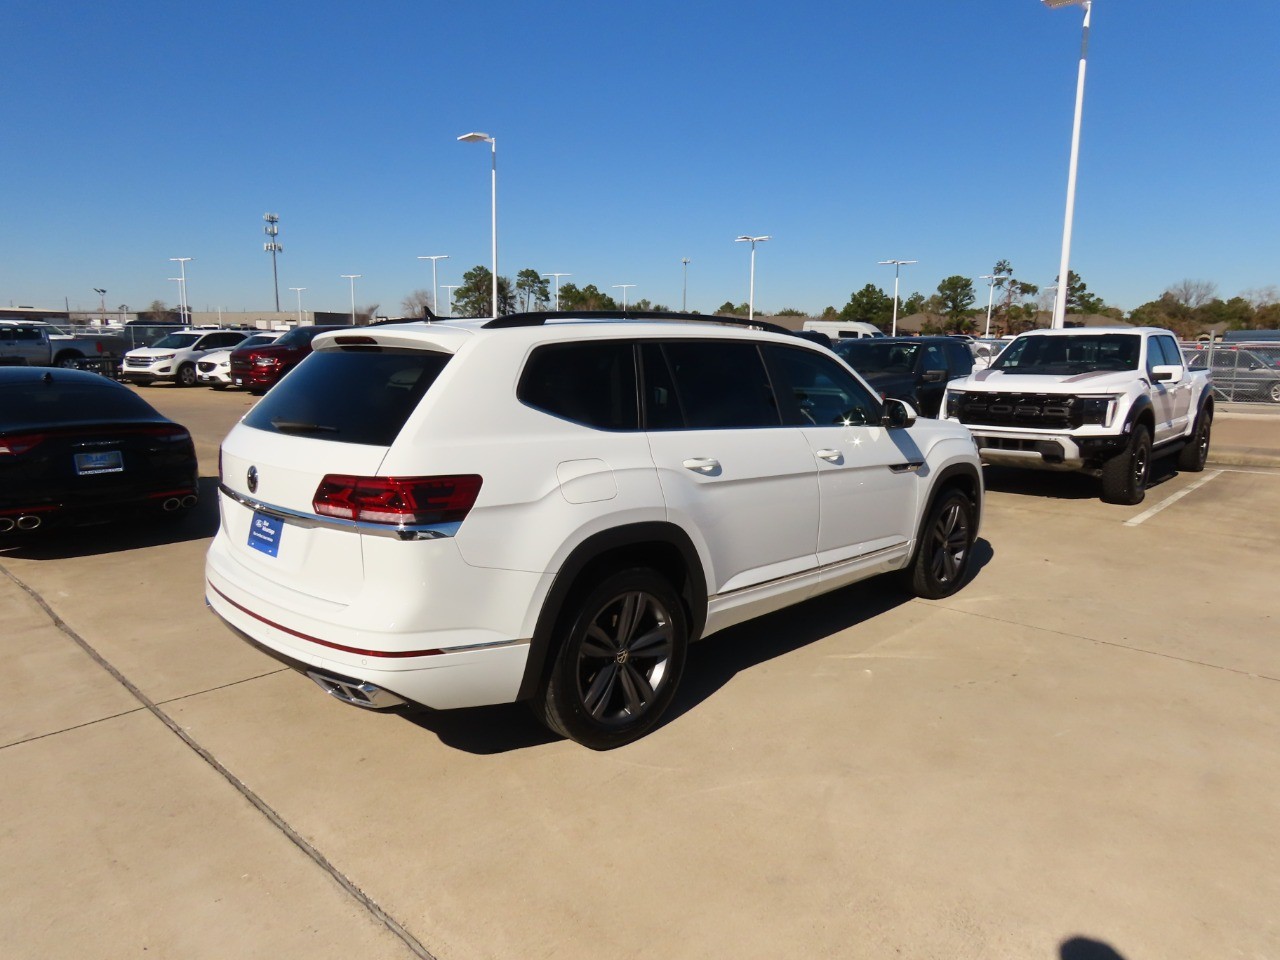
(17, 443)
(397, 500)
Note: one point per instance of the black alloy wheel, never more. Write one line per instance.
(945, 551)
(1124, 476)
(1195, 454)
(617, 669)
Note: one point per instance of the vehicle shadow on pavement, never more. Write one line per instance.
(1082, 948)
(715, 661)
(712, 664)
(1063, 486)
(121, 533)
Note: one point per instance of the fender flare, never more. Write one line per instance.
(1140, 406)
(970, 472)
(648, 533)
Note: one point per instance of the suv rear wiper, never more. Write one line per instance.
(301, 426)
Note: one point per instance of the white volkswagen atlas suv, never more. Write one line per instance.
(552, 507)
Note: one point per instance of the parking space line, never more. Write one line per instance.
(311, 851)
(1148, 514)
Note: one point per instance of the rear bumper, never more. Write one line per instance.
(72, 508)
(442, 669)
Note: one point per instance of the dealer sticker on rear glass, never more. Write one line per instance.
(265, 533)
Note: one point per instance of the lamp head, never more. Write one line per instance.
(1055, 4)
(476, 138)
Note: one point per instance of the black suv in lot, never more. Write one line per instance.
(914, 369)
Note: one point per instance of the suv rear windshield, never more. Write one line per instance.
(874, 356)
(351, 396)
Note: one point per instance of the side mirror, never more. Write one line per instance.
(897, 414)
(933, 376)
(1166, 372)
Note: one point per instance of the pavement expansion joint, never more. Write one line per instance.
(1120, 646)
(394, 926)
(221, 686)
(74, 726)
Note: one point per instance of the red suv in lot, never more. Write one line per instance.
(257, 369)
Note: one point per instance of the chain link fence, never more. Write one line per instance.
(1242, 372)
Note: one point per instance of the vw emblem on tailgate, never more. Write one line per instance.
(252, 478)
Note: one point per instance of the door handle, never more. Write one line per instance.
(702, 464)
(831, 456)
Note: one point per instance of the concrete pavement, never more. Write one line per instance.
(1083, 742)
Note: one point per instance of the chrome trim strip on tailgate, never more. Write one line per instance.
(430, 531)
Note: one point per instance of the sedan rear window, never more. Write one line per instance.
(351, 396)
(41, 402)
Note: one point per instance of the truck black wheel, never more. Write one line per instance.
(1192, 457)
(1124, 476)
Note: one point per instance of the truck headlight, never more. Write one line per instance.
(1099, 410)
(951, 407)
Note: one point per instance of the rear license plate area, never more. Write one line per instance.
(265, 533)
(99, 461)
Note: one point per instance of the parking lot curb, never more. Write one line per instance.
(1243, 457)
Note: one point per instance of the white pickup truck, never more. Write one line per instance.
(37, 344)
(1105, 401)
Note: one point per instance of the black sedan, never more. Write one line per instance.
(76, 447)
(914, 369)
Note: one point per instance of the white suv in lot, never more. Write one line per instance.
(552, 507)
(174, 357)
(214, 369)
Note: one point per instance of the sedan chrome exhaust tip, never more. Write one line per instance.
(28, 522)
(6, 524)
(173, 503)
(189, 500)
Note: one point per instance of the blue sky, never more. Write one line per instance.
(630, 136)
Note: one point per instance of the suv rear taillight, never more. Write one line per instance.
(397, 500)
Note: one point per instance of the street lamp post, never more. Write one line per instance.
(557, 276)
(751, 290)
(298, 291)
(991, 294)
(353, 277)
(684, 290)
(182, 287)
(493, 142)
(178, 281)
(1060, 306)
(897, 266)
(435, 306)
(448, 297)
(102, 303)
(624, 287)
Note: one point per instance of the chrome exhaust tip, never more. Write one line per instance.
(28, 522)
(6, 524)
(189, 500)
(173, 503)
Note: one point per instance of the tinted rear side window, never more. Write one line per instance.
(350, 396)
(590, 383)
(721, 384)
(37, 403)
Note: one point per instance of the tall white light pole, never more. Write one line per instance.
(353, 277)
(448, 289)
(991, 295)
(897, 267)
(182, 287)
(492, 141)
(557, 276)
(1060, 305)
(751, 291)
(298, 291)
(624, 287)
(684, 291)
(435, 304)
(178, 281)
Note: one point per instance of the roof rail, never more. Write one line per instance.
(539, 318)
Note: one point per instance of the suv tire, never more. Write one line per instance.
(1193, 456)
(1124, 476)
(186, 375)
(616, 671)
(941, 564)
